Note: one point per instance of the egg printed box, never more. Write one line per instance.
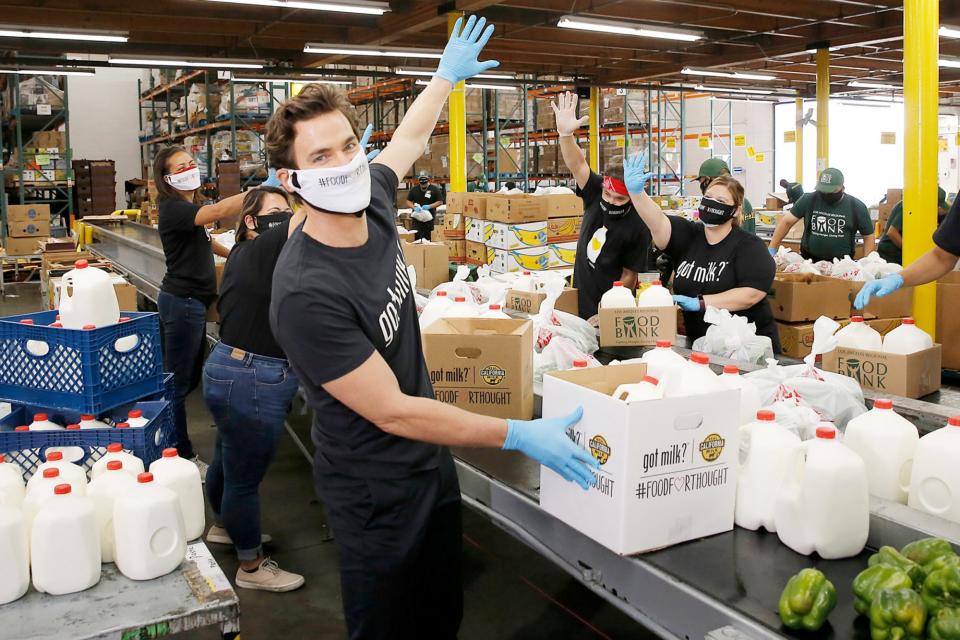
(532, 259)
(517, 236)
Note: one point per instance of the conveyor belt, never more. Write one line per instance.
(137, 250)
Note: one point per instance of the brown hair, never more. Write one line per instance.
(312, 101)
(164, 190)
(252, 202)
(614, 170)
(736, 192)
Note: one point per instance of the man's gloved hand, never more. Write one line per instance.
(687, 303)
(635, 173)
(547, 442)
(772, 251)
(565, 112)
(879, 288)
(272, 179)
(365, 143)
(459, 60)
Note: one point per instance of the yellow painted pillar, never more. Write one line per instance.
(798, 141)
(920, 87)
(594, 140)
(823, 109)
(458, 127)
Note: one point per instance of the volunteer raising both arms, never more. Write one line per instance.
(717, 263)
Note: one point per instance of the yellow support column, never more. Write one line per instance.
(594, 140)
(798, 140)
(920, 87)
(823, 109)
(458, 127)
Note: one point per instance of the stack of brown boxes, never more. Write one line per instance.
(228, 178)
(619, 109)
(96, 187)
(894, 196)
(27, 227)
(452, 231)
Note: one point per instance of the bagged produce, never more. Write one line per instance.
(549, 323)
(785, 257)
(559, 354)
(846, 269)
(733, 337)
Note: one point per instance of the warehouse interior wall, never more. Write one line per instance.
(105, 123)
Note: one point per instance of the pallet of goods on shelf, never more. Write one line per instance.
(201, 101)
(249, 100)
(95, 187)
(249, 151)
(43, 159)
(620, 109)
(27, 227)
(40, 90)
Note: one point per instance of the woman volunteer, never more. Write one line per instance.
(190, 283)
(718, 263)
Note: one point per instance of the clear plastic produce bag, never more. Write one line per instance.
(733, 337)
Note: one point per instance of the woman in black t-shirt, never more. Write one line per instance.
(249, 386)
(190, 283)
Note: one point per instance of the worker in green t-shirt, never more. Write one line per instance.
(479, 184)
(832, 218)
(890, 246)
(714, 168)
(794, 190)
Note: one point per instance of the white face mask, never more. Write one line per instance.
(344, 189)
(185, 180)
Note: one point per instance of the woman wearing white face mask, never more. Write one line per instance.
(190, 284)
(718, 263)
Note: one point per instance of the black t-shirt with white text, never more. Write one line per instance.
(188, 252)
(332, 308)
(425, 195)
(947, 235)
(739, 260)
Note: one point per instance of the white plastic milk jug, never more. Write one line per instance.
(907, 338)
(149, 530)
(859, 335)
(935, 483)
(618, 297)
(461, 309)
(182, 477)
(494, 312)
(69, 472)
(136, 420)
(91, 422)
(131, 464)
(64, 546)
(749, 396)
(694, 379)
(824, 504)
(41, 422)
(524, 282)
(771, 449)
(39, 493)
(662, 360)
(646, 389)
(435, 309)
(12, 489)
(656, 295)
(87, 297)
(104, 491)
(887, 442)
(14, 555)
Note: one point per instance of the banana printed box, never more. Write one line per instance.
(517, 236)
(563, 255)
(668, 468)
(631, 327)
(532, 259)
(477, 230)
(563, 229)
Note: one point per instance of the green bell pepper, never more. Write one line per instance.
(897, 614)
(941, 590)
(926, 550)
(807, 600)
(942, 562)
(945, 625)
(873, 579)
(893, 558)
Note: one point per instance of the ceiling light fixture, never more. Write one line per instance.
(949, 32)
(883, 98)
(469, 85)
(866, 104)
(393, 52)
(643, 31)
(203, 63)
(366, 8)
(871, 85)
(312, 80)
(77, 71)
(431, 72)
(747, 100)
(7, 31)
(761, 92)
(722, 73)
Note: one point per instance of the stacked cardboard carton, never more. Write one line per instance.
(96, 187)
(228, 178)
(27, 227)
(619, 109)
(894, 196)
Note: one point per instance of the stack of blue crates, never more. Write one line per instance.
(66, 373)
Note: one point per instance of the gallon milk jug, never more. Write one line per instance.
(148, 526)
(618, 297)
(824, 503)
(12, 488)
(656, 295)
(749, 396)
(772, 448)
(182, 477)
(935, 483)
(39, 493)
(69, 472)
(494, 312)
(646, 389)
(524, 282)
(907, 338)
(87, 297)
(694, 379)
(461, 309)
(64, 547)
(136, 420)
(887, 442)
(131, 464)
(662, 360)
(103, 491)
(41, 422)
(581, 364)
(859, 335)
(14, 555)
(91, 422)
(435, 309)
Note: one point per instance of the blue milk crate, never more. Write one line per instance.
(81, 370)
(28, 448)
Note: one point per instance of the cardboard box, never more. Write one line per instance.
(563, 255)
(406, 235)
(456, 251)
(22, 246)
(562, 205)
(477, 230)
(668, 468)
(529, 302)
(515, 209)
(454, 225)
(806, 297)
(17, 213)
(948, 320)
(430, 261)
(482, 365)
(455, 202)
(530, 259)
(126, 293)
(564, 229)
(910, 376)
(29, 229)
(898, 304)
(476, 253)
(516, 236)
(795, 234)
(796, 340)
(775, 201)
(213, 315)
(475, 205)
(630, 327)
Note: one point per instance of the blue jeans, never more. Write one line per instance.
(249, 397)
(184, 322)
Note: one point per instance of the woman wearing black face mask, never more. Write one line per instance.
(248, 387)
(717, 263)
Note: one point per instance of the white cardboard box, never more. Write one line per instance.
(532, 259)
(563, 254)
(477, 230)
(668, 469)
(517, 236)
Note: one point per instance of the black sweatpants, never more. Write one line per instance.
(423, 229)
(400, 545)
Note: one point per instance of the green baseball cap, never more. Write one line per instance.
(830, 181)
(424, 174)
(941, 198)
(713, 168)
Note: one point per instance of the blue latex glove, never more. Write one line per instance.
(772, 251)
(635, 173)
(272, 179)
(687, 303)
(365, 143)
(459, 59)
(416, 208)
(547, 442)
(878, 288)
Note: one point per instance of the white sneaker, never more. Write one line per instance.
(219, 535)
(269, 577)
(201, 467)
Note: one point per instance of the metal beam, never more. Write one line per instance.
(458, 127)
(823, 109)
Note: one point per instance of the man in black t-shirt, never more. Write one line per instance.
(614, 241)
(343, 311)
(428, 197)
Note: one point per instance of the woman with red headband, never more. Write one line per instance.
(614, 241)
